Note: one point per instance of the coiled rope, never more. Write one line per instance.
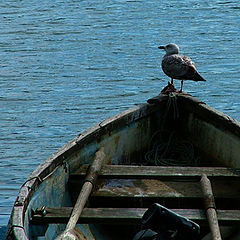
(166, 148)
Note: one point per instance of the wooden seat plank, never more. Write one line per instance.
(124, 215)
(147, 188)
(163, 189)
(130, 172)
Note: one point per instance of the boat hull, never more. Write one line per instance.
(126, 139)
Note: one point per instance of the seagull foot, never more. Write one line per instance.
(169, 88)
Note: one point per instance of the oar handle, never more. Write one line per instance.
(210, 207)
(93, 170)
(86, 190)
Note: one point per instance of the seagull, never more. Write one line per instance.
(177, 66)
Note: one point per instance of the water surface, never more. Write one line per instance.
(66, 65)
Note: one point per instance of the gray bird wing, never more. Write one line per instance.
(178, 67)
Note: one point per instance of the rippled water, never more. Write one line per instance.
(66, 65)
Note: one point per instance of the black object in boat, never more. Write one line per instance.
(163, 224)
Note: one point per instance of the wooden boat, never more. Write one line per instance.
(154, 153)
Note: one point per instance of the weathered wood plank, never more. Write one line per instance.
(130, 172)
(164, 189)
(139, 188)
(125, 215)
(147, 183)
(173, 194)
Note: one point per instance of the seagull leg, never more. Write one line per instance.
(181, 86)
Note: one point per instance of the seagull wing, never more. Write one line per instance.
(178, 67)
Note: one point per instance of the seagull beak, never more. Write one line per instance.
(161, 47)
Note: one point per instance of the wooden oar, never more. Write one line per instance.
(70, 231)
(210, 207)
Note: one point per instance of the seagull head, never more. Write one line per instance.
(170, 49)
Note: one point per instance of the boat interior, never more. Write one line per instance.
(156, 154)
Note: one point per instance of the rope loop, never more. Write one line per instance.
(166, 148)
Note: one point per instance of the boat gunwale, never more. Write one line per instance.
(210, 114)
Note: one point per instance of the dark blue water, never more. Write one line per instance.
(66, 65)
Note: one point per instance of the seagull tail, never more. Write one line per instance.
(198, 77)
